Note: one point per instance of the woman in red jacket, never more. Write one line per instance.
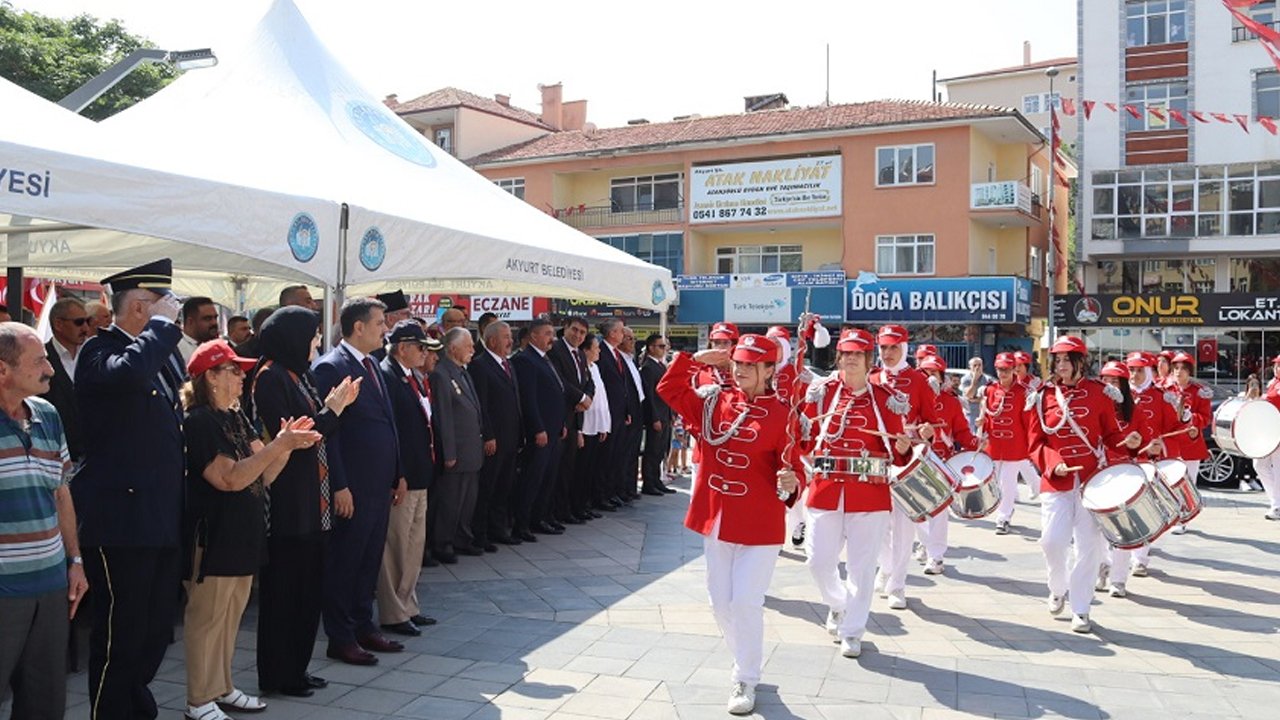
(747, 458)
(1074, 422)
(849, 421)
(953, 434)
(1002, 423)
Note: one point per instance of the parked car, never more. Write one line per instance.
(1223, 470)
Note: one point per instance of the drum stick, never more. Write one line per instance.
(1074, 468)
(1186, 429)
(892, 436)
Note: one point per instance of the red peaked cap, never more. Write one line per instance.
(933, 362)
(1114, 369)
(1069, 344)
(1138, 359)
(1005, 361)
(724, 331)
(891, 335)
(1183, 357)
(780, 332)
(855, 340)
(756, 348)
(926, 349)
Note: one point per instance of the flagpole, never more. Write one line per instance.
(1053, 189)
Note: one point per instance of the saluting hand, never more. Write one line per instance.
(717, 358)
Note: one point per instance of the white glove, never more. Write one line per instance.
(821, 337)
(166, 307)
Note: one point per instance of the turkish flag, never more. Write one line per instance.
(1207, 351)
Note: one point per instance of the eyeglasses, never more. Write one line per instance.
(233, 369)
(78, 322)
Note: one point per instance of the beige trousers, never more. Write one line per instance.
(214, 609)
(402, 559)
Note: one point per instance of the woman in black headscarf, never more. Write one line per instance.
(298, 502)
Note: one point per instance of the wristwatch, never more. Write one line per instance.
(76, 560)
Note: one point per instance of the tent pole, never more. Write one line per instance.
(15, 281)
(335, 296)
(662, 323)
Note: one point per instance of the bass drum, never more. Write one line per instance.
(924, 487)
(1126, 506)
(1250, 428)
(978, 494)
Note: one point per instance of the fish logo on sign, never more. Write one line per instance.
(373, 249)
(389, 132)
(304, 237)
(659, 292)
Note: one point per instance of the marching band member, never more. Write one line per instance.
(954, 431)
(1149, 411)
(1002, 422)
(848, 502)
(895, 375)
(724, 335)
(1268, 468)
(1074, 420)
(735, 505)
(785, 385)
(1027, 470)
(1164, 370)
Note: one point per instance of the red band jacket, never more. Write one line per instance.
(1196, 411)
(1054, 441)
(954, 433)
(1154, 414)
(1004, 421)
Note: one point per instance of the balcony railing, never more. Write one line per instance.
(605, 216)
(1242, 34)
(1007, 195)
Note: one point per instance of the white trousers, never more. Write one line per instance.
(1268, 470)
(737, 578)
(860, 535)
(795, 513)
(935, 535)
(1063, 519)
(895, 551)
(1007, 472)
(1142, 556)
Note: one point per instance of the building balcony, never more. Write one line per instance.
(1244, 34)
(1009, 203)
(583, 217)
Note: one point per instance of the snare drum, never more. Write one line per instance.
(1126, 506)
(1247, 427)
(978, 494)
(1174, 475)
(924, 487)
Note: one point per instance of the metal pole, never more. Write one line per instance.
(1053, 190)
(92, 90)
(15, 281)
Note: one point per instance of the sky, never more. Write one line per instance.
(653, 60)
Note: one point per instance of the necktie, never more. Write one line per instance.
(424, 390)
(377, 381)
(507, 367)
(617, 355)
(578, 362)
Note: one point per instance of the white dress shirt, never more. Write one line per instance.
(595, 419)
(187, 346)
(67, 359)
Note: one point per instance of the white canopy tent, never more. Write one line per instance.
(281, 114)
(91, 212)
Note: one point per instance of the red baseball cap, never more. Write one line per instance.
(1114, 369)
(755, 348)
(933, 362)
(1138, 359)
(1005, 361)
(926, 349)
(1167, 355)
(1069, 344)
(724, 331)
(1021, 357)
(855, 340)
(1183, 357)
(215, 353)
(891, 335)
(779, 331)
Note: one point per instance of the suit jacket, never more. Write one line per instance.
(461, 421)
(541, 395)
(500, 400)
(129, 493)
(562, 360)
(655, 408)
(62, 394)
(415, 434)
(364, 454)
(618, 385)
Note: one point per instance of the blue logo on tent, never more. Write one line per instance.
(373, 249)
(659, 292)
(390, 132)
(304, 237)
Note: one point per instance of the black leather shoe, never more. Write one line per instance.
(667, 489)
(299, 691)
(352, 655)
(556, 524)
(404, 628)
(507, 540)
(581, 517)
(471, 551)
(594, 515)
(378, 643)
(652, 491)
(490, 548)
(615, 501)
(428, 561)
(527, 536)
(317, 682)
(445, 558)
(547, 529)
(422, 620)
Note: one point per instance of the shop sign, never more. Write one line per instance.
(768, 190)
(506, 307)
(1212, 310)
(591, 309)
(939, 300)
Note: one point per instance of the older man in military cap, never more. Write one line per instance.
(129, 494)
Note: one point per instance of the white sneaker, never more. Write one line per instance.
(898, 600)
(1104, 573)
(878, 588)
(797, 535)
(1117, 590)
(1056, 603)
(850, 647)
(919, 553)
(833, 621)
(1139, 571)
(1081, 624)
(743, 699)
(1273, 515)
(1179, 529)
(1002, 527)
(934, 567)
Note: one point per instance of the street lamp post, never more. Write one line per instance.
(1052, 255)
(92, 90)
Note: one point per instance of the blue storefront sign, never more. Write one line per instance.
(996, 300)
(760, 299)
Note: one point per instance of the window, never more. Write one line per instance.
(1037, 182)
(1255, 275)
(646, 192)
(1267, 94)
(1159, 96)
(1132, 277)
(904, 165)
(1031, 104)
(1035, 267)
(1153, 22)
(759, 259)
(904, 255)
(1210, 201)
(515, 186)
(663, 249)
(444, 138)
(1040, 102)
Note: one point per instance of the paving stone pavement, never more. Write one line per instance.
(610, 620)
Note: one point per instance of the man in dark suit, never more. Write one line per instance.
(70, 324)
(461, 428)
(657, 417)
(579, 390)
(495, 382)
(634, 433)
(364, 473)
(542, 402)
(410, 354)
(128, 496)
(620, 390)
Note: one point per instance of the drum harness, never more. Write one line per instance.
(710, 395)
(824, 434)
(1068, 418)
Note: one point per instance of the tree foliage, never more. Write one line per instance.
(52, 57)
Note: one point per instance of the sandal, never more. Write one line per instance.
(238, 700)
(207, 711)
